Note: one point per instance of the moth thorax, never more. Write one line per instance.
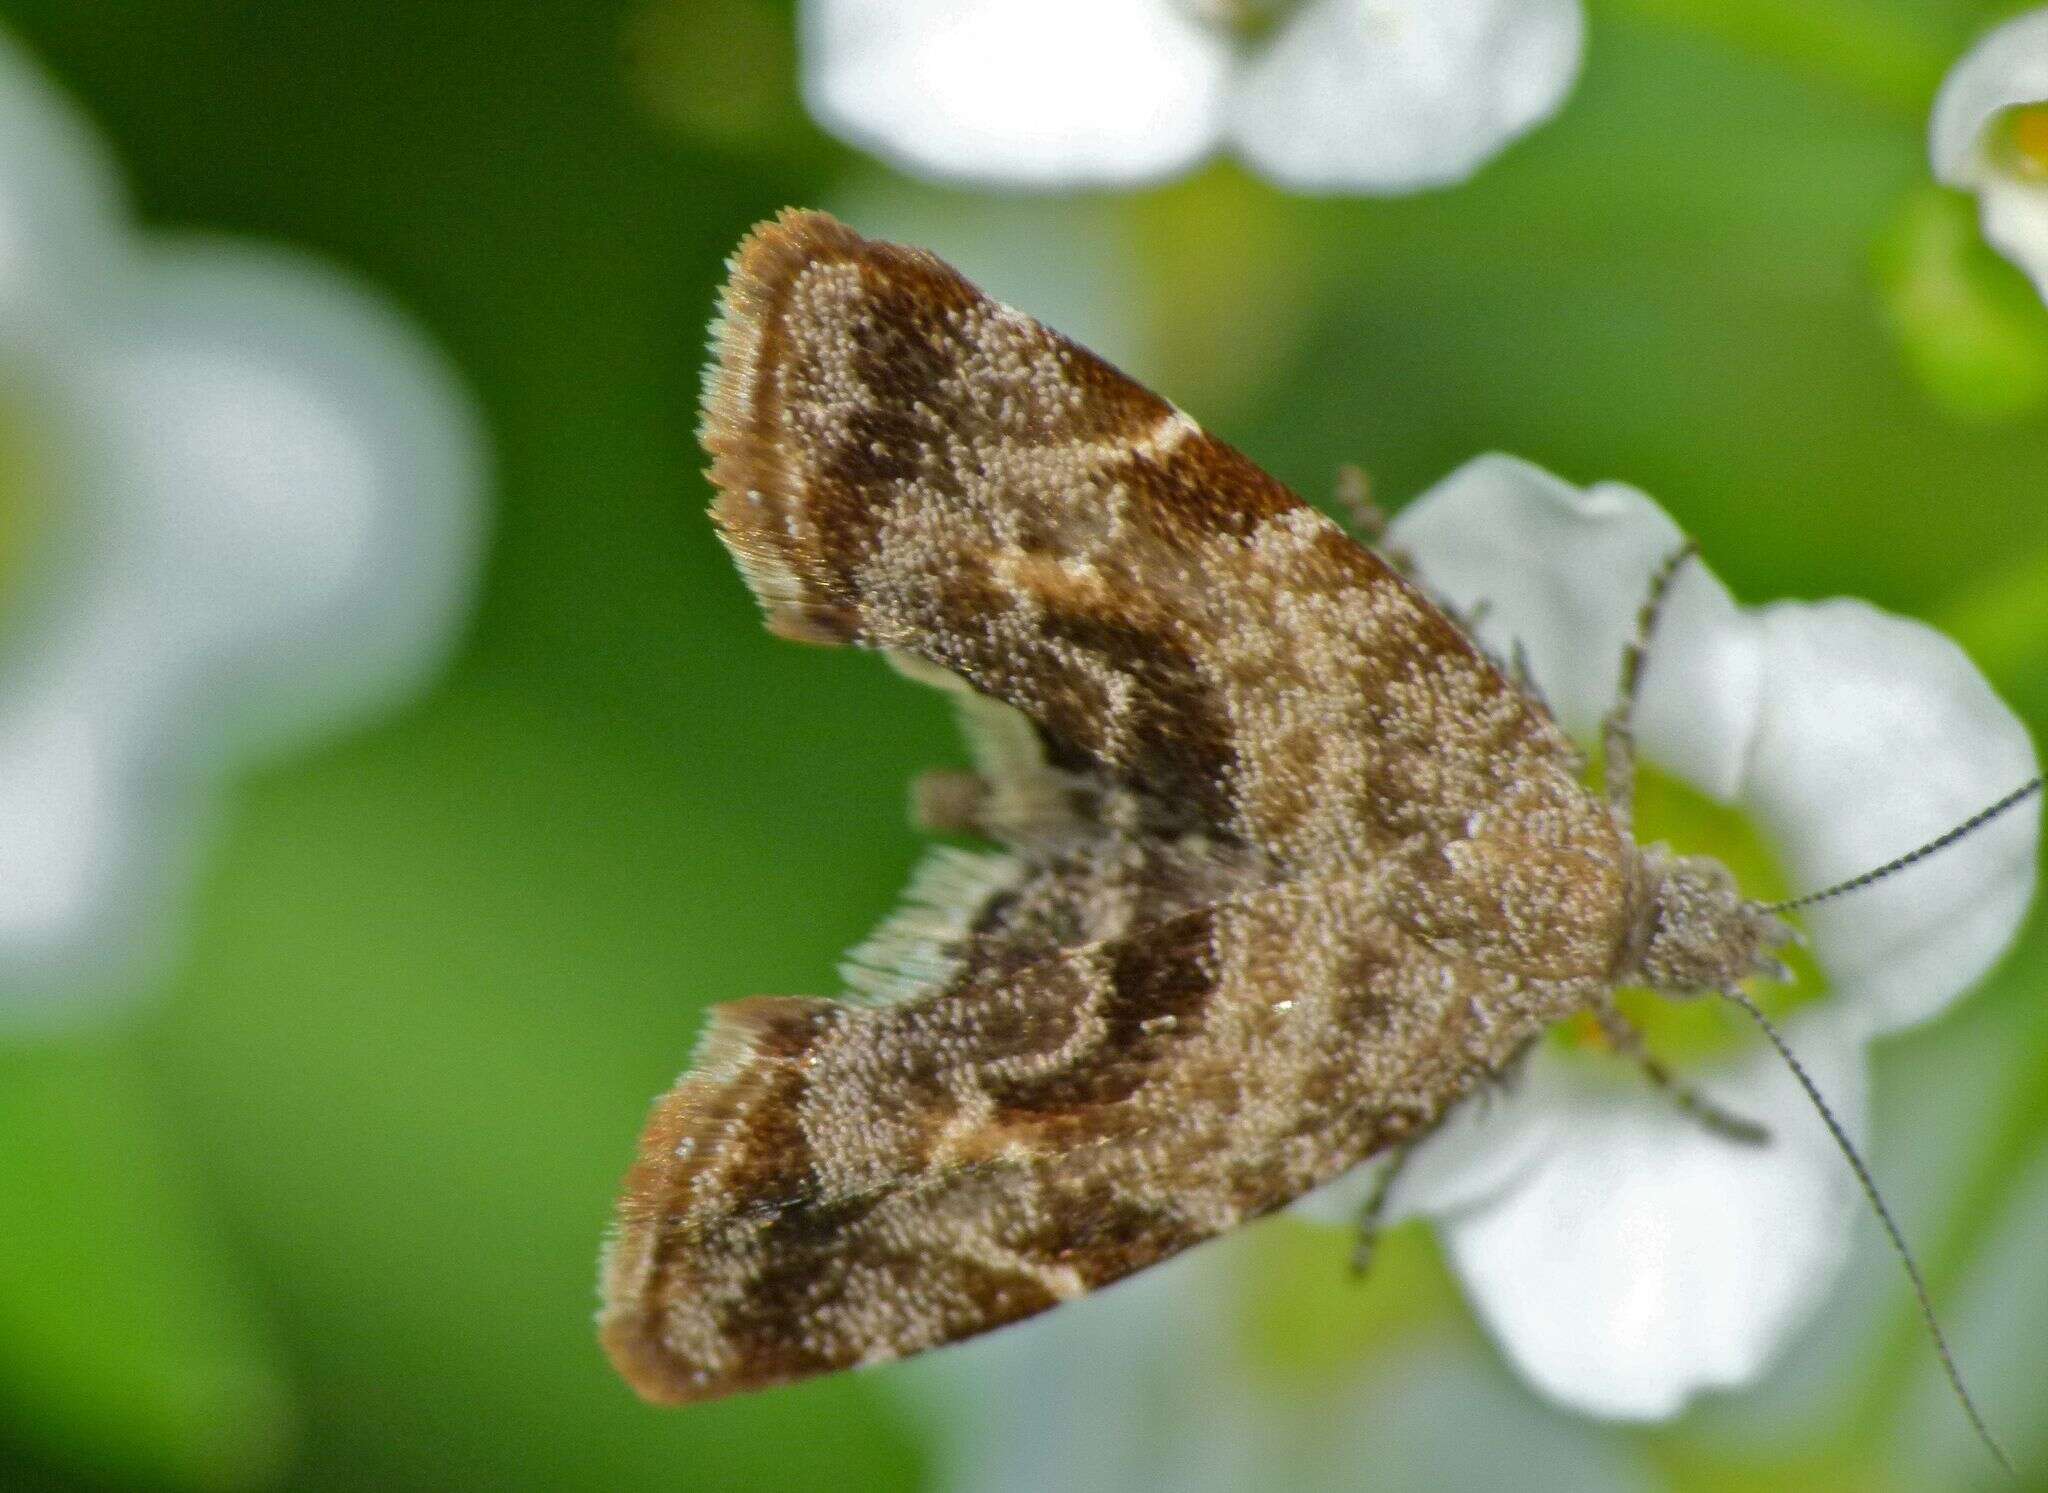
(1695, 930)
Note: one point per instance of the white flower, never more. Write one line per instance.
(1625, 1257)
(1989, 134)
(1342, 96)
(238, 507)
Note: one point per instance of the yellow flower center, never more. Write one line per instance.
(1685, 1029)
(1248, 20)
(2026, 139)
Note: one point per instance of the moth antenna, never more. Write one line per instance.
(1975, 822)
(1884, 1214)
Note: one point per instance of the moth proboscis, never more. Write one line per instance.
(1287, 866)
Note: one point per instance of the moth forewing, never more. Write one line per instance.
(1299, 867)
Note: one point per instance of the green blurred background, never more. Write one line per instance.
(325, 1215)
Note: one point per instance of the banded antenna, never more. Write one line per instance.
(1841, 1136)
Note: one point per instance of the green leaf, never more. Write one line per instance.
(124, 1342)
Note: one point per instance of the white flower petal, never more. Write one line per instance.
(60, 805)
(1107, 1392)
(1397, 95)
(276, 491)
(1877, 734)
(1645, 1259)
(2007, 67)
(263, 501)
(1563, 573)
(297, 483)
(1053, 93)
(60, 204)
(2014, 215)
(99, 833)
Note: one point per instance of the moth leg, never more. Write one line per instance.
(1352, 493)
(1366, 1243)
(1522, 675)
(1617, 732)
(1628, 1041)
(1353, 496)
(946, 802)
(1014, 796)
(1367, 521)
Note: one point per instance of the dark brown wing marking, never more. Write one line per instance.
(1289, 863)
(905, 464)
(836, 1185)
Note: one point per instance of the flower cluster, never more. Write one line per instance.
(1379, 96)
(1989, 135)
(237, 507)
(1359, 96)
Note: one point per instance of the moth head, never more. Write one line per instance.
(1697, 932)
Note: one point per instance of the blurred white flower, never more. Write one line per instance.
(1378, 96)
(1989, 134)
(1142, 1386)
(1625, 1257)
(239, 505)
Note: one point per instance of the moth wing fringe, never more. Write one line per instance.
(760, 502)
(915, 949)
(735, 1031)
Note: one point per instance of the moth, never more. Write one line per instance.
(1285, 865)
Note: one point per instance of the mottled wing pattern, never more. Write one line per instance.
(1287, 864)
(905, 464)
(836, 1184)
(992, 913)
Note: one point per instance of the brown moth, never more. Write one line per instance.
(1287, 866)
